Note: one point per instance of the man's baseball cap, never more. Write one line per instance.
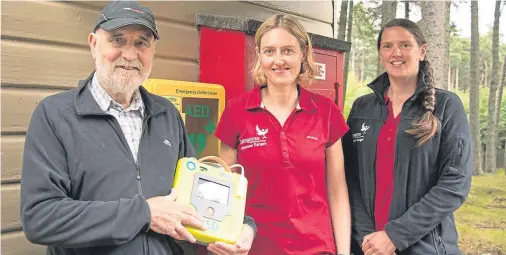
(118, 14)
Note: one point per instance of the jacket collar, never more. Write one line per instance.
(305, 100)
(86, 104)
(381, 83)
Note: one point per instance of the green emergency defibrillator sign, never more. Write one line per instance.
(200, 106)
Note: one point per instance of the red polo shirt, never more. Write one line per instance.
(285, 167)
(385, 159)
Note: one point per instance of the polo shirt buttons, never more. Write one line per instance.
(284, 148)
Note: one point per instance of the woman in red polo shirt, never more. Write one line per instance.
(408, 153)
(288, 140)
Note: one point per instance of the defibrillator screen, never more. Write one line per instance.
(212, 191)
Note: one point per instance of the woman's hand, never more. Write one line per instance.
(241, 247)
(378, 243)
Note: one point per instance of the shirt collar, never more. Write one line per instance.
(385, 96)
(305, 100)
(105, 101)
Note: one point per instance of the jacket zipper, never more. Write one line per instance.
(442, 243)
(461, 146)
(117, 128)
(440, 240)
(437, 239)
(120, 134)
(396, 156)
(137, 165)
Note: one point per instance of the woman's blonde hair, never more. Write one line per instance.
(308, 69)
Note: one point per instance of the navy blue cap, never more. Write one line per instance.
(118, 14)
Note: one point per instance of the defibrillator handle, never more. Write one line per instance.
(216, 159)
(222, 163)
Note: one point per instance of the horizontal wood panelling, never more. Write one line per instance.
(18, 106)
(61, 22)
(12, 153)
(15, 243)
(26, 63)
(10, 206)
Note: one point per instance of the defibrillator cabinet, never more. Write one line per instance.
(227, 46)
(200, 106)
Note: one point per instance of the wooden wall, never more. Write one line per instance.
(44, 51)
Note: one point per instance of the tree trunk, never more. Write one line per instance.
(446, 60)
(353, 62)
(362, 71)
(347, 56)
(485, 74)
(499, 100)
(474, 89)
(457, 79)
(406, 9)
(435, 30)
(388, 12)
(341, 34)
(491, 166)
(449, 79)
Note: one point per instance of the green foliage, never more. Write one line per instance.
(501, 125)
(364, 34)
(355, 90)
(460, 57)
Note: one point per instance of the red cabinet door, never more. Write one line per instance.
(329, 77)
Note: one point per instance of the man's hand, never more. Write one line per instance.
(241, 247)
(168, 217)
(378, 243)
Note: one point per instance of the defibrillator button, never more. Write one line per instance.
(190, 165)
(210, 211)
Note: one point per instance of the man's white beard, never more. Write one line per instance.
(120, 81)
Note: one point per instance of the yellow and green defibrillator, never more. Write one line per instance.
(216, 193)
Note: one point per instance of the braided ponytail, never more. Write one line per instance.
(426, 126)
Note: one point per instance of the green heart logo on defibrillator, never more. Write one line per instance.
(216, 193)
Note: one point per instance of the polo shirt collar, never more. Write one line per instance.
(305, 100)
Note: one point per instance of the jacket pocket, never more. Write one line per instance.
(461, 147)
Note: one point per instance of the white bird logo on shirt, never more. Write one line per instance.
(262, 132)
(364, 127)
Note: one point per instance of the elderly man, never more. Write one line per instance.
(99, 160)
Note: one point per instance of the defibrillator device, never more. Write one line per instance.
(216, 193)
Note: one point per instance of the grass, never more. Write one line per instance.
(481, 221)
